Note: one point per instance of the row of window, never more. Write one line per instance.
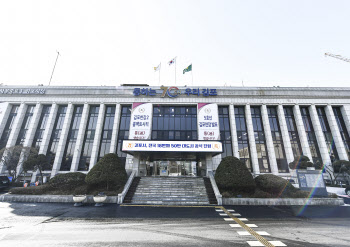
(180, 123)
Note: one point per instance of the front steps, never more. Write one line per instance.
(170, 191)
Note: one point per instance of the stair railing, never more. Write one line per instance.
(122, 195)
(215, 187)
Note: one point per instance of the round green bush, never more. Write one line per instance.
(67, 181)
(108, 173)
(274, 185)
(233, 175)
(33, 190)
(303, 162)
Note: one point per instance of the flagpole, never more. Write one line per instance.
(175, 70)
(192, 73)
(159, 76)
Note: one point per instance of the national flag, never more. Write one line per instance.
(172, 61)
(188, 69)
(157, 68)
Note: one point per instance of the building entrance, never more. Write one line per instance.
(172, 168)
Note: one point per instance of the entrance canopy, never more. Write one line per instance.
(136, 146)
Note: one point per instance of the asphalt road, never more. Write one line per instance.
(44, 224)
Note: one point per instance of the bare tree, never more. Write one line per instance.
(12, 159)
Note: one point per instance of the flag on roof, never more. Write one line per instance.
(157, 68)
(187, 69)
(172, 61)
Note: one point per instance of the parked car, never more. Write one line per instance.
(347, 190)
(4, 182)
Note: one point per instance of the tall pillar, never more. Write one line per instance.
(209, 162)
(115, 129)
(345, 111)
(17, 126)
(62, 142)
(234, 138)
(5, 115)
(48, 129)
(319, 136)
(301, 132)
(30, 133)
(97, 138)
(269, 142)
(339, 144)
(80, 138)
(251, 137)
(285, 134)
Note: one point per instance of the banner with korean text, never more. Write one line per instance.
(172, 146)
(141, 121)
(208, 121)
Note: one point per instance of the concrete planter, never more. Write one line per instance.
(99, 200)
(78, 199)
(283, 201)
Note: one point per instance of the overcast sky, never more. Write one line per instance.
(262, 43)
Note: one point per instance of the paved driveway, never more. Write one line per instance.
(45, 224)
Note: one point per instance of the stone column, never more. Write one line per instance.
(209, 162)
(62, 142)
(345, 111)
(251, 136)
(301, 132)
(80, 138)
(16, 127)
(6, 113)
(269, 142)
(115, 131)
(234, 138)
(339, 144)
(30, 132)
(319, 136)
(285, 134)
(98, 134)
(48, 129)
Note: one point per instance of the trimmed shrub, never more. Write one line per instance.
(233, 175)
(33, 190)
(274, 184)
(68, 181)
(301, 162)
(340, 166)
(81, 190)
(108, 173)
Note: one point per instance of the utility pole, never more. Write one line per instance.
(54, 67)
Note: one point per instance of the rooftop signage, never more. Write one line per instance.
(21, 91)
(173, 92)
(172, 146)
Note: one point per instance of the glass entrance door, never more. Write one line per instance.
(174, 168)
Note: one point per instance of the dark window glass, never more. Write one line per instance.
(56, 133)
(106, 135)
(25, 125)
(8, 126)
(38, 137)
(84, 162)
(310, 133)
(260, 141)
(242, 136)
(327, 133)
(123, 133)
(174, 123)
(292, 130)
(71, 139)
(225, 131)
(281, 160)
(342, 129)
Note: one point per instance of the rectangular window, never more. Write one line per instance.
(292, 130)
(260, 141)
(242, 136)
(38, 137)
(123, 133)
(8, 126)
(84, 161)
(225, 131)
(25, 125)
(281, 160)
(342, 129)
(106, 135)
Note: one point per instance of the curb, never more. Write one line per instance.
(284, 201)
(50, 198)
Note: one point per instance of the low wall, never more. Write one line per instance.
(49, 198)
(283, 201)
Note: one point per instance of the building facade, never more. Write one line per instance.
(173, 131)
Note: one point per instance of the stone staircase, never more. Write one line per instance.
(170, 191)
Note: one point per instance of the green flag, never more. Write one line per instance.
(188, 69)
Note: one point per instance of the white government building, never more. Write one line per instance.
(176, 131)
